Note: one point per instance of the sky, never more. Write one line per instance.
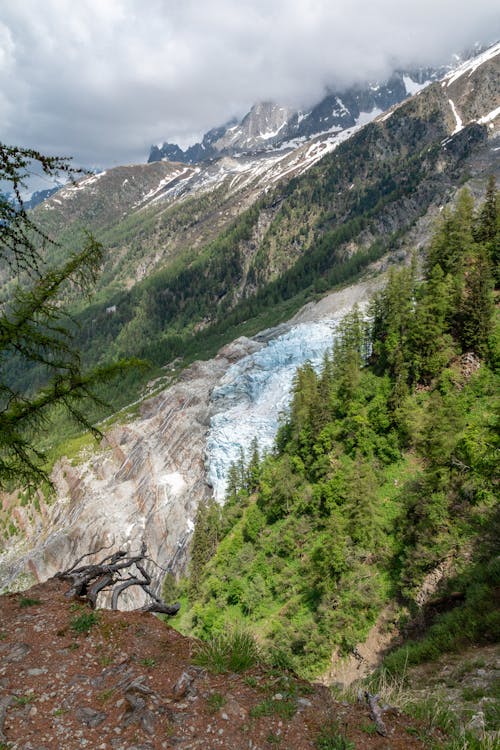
(102, 80)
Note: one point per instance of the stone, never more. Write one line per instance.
(18, 652)
(89, 716)
(182, 685)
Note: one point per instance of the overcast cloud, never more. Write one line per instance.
(104, 79)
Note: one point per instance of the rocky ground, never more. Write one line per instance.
(73, 678)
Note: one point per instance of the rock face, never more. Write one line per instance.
(269, 125)
(147, 478)
(144, 484)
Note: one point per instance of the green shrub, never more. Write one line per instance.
(331, 738)
(84, 622)
(26, 601)
(285, 709)
(234, 651)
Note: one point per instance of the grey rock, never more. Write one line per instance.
(89, 716)
(18, 652)
(182, 686)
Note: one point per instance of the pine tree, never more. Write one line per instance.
(453, 238)
(487, 227)
(430, 343)
(253, 468)
(35, 329)
(475, 313)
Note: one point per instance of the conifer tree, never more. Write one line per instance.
(35, 329)
(475, 313)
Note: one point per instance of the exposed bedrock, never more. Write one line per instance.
(145, 480)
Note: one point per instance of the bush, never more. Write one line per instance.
(235, 651)
(331, 738)
(84, 622)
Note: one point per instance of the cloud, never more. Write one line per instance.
(104, 80)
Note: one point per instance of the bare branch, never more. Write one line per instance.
(88, 581)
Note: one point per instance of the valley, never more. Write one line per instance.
(309, 454)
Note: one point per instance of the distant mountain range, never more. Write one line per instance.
(196, 256)
(269, 126)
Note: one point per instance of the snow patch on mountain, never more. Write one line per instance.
(471, 65)
(458, 120)
(489, 117)
(413, 87)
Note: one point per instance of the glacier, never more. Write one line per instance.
(253, 395)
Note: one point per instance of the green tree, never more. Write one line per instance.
(453, 238)
(35, 328)
(487, 226)
(430, 343)
(207, 532)
(476, 308)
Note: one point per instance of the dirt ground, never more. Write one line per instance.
(129, 683)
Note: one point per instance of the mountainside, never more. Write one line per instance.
(73, 678)
(381, 488)
(165, 214)
(199, 249)
(246, 253)
(375, 514)
(268, 126)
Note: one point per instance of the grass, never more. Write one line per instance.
(26, 601)
(369, 728)
(332, 738)
(24, 700)
(148, 662)
(84, 622)
(285, 708)
(441, 724)
(105, 695)
(235, 651)
(273, 739)
(215, 701)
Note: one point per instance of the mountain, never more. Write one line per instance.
(229, 262)
(39, 196)
(149, 216)
(268, 126)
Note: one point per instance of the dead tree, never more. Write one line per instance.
(114, 574)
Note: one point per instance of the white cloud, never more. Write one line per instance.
(105, 79)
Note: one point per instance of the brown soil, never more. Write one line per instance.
(369, 653)
(119, 687)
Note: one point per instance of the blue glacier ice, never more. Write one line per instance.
(255, 392)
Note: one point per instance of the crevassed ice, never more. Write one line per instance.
(255, 392)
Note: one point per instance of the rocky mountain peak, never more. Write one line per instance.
(271, 125)
(261, 125)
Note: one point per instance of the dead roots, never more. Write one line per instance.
(114, 574)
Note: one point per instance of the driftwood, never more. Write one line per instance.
(376, 713)
(114, 573)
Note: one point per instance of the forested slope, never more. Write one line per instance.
(383, 472)
(185, 273)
